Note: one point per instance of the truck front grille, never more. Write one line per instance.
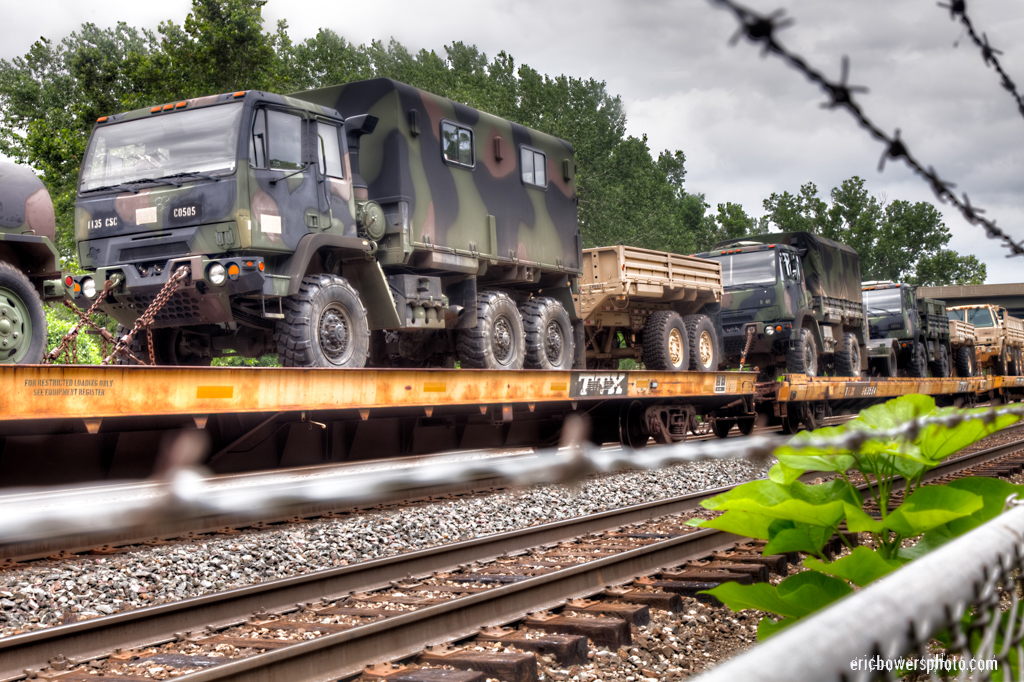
(166, 249)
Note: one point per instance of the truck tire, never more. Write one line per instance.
(666, 342)
(965, 361)
(499, 340)
(918, 365)
(940, 365)
(889, 366)
(703, 343)
(1001, 365)
(165, 343)
(802, 354)
(324, 325)
(549, 337)
(22, 319)
(848, 359)
(1016, 370)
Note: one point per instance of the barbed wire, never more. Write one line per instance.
(186, 491)
(958, 11)
(759, 28)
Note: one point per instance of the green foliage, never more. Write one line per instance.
(896, 240)
(794, 516)
(239, 361)
(59, 321)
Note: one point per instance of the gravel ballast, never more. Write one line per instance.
(57, 591)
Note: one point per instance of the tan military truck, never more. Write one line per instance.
(962, 340)
(999, 338)
(657, 308)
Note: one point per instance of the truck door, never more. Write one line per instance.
(334, 179)
(910, 314)
(283, 184)
(792, 291)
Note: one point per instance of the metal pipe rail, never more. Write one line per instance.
(899, 614)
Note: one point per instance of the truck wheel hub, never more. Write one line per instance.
(5, 327)
(502, 340)
(334, 333)
(706, 349)
(675, 348)
(553, 345)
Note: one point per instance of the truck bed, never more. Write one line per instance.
(631, 275)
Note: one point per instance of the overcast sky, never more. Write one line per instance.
(749, 125)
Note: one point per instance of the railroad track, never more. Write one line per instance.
(30, 548)
(333, 623)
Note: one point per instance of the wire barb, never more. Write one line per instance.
(762, 29)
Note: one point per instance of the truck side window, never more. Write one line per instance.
(457, 144)
(258, 140)
(330, 149)
(535, 166)
(285, 148)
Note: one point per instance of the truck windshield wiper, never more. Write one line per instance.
(109, 187)
(159, 181)
(207, 176)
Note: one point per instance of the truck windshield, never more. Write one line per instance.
(980, 317)
(957, 315)
(883, 302)
(746, 269)
(189, 141)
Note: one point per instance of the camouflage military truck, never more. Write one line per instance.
(792, 301)
(657, 308)
(908, 335)
(363, 223)
(999, 338)
(29, 264)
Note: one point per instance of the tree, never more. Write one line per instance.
(897, 241)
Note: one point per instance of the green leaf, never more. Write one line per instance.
(938, 442)
(740, 523)
(822, 493)
(933, 539)
(784, 475)
(860, 567)
(815, 459)
(766, 627)
(760, 596)
(797, 511)
(811, 591)
(930, 507)
(787, 536)
(764, 492)
(859, 521)
(993, 493)
(893, 413)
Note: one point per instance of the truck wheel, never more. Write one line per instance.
(848, 360)
(498, 341)
(549, 339)
(703, 343)
(324, 325)
(965, 361)
(22, 319)
(888, 366)
(1002, 362)
(940, 365)
(918, 366)
(802, 354)
(666, 342)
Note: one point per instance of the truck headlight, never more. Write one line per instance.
(769, 330)
(216, 274)
(89, 287)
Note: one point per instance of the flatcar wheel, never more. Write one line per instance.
(721, 427)
(790, 425)
(631, 426)
(746, 425)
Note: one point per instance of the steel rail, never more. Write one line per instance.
(86, 639)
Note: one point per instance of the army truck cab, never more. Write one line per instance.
(363, 223)
(908, 335)
(792, 304)
(29, 264)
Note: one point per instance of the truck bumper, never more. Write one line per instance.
(735, 337)
(197, 300)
